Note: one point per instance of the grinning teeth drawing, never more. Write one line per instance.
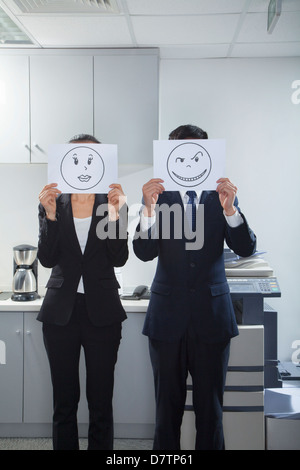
(195, 178)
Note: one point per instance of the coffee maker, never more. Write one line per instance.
(25, 273)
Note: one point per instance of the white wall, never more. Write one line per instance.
(248, 102)
(19, 190)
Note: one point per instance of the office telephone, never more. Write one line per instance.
(140, 292)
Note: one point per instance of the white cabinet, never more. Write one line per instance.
(11, 367)
(37, 381)
(48, 97)
(14, 105)
(61, 95)
(25, 385)
(25, 381)
(44, 100)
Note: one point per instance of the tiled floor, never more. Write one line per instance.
(46, 444)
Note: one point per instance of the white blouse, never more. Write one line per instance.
(82, 227)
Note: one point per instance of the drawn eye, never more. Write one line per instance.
(90, 160)
(180, 159)
(75, 160)
(196, 157)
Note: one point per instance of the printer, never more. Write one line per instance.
(252, 282)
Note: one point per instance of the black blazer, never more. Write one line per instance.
(58, 248)
(190, 286)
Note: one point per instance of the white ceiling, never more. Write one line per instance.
(180, 28)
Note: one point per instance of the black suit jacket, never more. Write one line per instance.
(58, 248)
(190, 286)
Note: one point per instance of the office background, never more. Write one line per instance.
(248, 101)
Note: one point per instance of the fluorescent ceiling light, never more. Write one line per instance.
(63, 6)
(10, 33)
(274, 12)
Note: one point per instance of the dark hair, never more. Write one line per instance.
(187, 131)
(83, 137)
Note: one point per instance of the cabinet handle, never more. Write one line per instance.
(38, 147)
(18, 332)
(28, 332)
(26, 146)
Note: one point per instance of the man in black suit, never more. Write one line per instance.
(190, 318)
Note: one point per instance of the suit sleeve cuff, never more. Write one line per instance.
(234, 220)
(147, 222)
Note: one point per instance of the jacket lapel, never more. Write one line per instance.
(206, 196)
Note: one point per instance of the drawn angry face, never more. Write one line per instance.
(189, 164)
(82, 168)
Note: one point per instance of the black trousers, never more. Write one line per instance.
(207, 364)
(63, 345)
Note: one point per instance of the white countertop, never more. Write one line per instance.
(35, 305)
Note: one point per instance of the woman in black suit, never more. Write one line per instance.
(82, 306)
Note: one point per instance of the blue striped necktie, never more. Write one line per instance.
(191, 209)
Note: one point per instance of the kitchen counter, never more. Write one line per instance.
(35, 305)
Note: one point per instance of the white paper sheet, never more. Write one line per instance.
(189, 164)
(83, 168)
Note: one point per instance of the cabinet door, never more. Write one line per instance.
(61, 89)
(14, 105)
(38, 402)
(126, 104)
(11, 367)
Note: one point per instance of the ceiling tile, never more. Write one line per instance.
(77, 31)
(288, 49)
(182, 28)
(167, 30)
(254, 28)
(186, 7)
(194, 52)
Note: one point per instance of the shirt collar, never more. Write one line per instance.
(184, 197)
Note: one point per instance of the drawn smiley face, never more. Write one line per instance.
(82, 168)
(189, 164)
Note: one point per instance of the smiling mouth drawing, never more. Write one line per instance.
(84, 178)
(195, 178)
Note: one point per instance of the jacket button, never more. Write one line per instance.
(192, 264)
(192, 290)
